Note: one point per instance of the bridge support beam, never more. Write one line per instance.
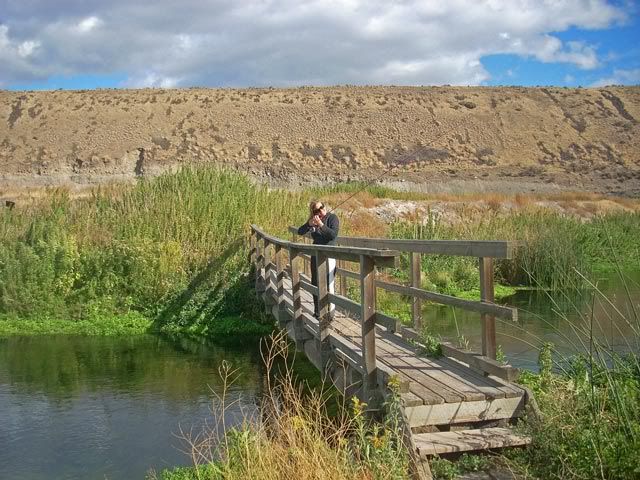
(324, 320)
(487, 295)
(368, 322)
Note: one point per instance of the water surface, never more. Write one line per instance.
(569, 320)
(111, 407)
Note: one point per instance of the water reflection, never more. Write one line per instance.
(100, 407)
(567, 320)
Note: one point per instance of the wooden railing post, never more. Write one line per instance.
(252, 249)
(368, 319)
(343, 278)
(298, 320)
(487, 295)
(260, 283)
(266, 253)
(415, 271)
(324, 347)
(307, 265)
(282, 319)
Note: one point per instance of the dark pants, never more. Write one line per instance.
(331, 275)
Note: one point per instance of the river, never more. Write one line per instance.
(76, 407)
(609, 315)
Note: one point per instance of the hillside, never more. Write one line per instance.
(464, 138)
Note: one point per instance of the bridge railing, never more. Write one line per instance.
(485, 251)
(268, 256)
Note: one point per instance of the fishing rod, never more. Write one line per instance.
(404, 159)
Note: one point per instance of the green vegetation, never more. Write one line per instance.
(591, 420)
(130, 323)
(589, 425)
(172, 250)
(553, 248)
(443, 469)
(590, 403)
(297, 437)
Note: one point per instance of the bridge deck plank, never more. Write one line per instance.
(429, 372)
(432, 380)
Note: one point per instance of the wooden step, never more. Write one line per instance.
(429, 444)
(465, 412)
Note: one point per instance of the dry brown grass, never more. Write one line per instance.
(522, 200)
(630, 203)
(572, 196)
(292, 435)
(364, 224)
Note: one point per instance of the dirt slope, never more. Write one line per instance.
(469, 138)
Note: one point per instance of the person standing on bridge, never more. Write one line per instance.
(324, 228)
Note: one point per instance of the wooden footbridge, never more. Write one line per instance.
(461, 401)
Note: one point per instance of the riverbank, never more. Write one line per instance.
(170, 255)
(173, 250)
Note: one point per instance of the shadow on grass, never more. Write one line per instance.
(219, 302)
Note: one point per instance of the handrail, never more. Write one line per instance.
(460, 248)
(484, 251)
(384, 257)
(320, 345)
(267, 253)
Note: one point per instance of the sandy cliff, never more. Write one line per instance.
(506, 138)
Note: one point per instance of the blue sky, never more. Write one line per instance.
(217, 43)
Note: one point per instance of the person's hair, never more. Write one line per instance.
(312, 205)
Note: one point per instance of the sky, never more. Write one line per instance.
(85, 44)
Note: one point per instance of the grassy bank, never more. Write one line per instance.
(172, 250)
(591, 420)
(589, 403)
(296, 436)
(552, 249)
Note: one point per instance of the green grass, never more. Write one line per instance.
(375, 190)
(591, 422)
(590, 403)
(552, 249)
(187, 473)
(131, 323)
(172, 249)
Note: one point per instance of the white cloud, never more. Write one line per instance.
(152, 79)
(18, 58)
(569, 78)
(288, 42)
(26, 48)
(88, 24)
(620, 77)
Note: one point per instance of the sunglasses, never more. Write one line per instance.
(317, 210)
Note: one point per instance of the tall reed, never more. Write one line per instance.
(292, 435)
(551, 247)
(590, 401)
(174, 248)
